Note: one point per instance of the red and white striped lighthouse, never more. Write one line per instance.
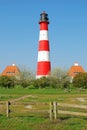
(43, 65)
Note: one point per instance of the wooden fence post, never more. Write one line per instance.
(55, 109)
(8, 108)
(51, 110)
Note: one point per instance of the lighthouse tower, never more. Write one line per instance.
(43, 64)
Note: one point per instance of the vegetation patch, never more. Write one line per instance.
(22, 118)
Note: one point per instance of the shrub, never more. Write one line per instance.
(80, 80)
(7, 82)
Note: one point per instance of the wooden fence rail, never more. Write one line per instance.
(72, 113)
(72, 105)
(53, 109)
(57, 111)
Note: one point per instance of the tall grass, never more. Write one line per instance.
(40, 121)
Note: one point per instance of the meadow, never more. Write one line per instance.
(25, 114)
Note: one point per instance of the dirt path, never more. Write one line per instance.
(21, 98)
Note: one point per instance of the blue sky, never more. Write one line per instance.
(19, 32)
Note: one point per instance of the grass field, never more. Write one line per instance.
(23, 118)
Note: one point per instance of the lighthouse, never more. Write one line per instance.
(43, 62)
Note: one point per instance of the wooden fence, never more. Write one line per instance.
(53, 109)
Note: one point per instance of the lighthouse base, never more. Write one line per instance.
(40, 76)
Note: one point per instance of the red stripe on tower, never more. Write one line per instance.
(43, 65)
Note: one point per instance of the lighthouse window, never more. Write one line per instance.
(76, 72)
(10, 72)
(44, 17)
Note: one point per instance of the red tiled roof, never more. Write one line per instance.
(11, 71)
(75, 70)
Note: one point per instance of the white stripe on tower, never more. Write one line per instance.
(43, 35)
(43, 56)
(43, 65)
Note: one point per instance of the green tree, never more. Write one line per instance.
(26, 73)
(53, 82)
(40, 83)
(61, 77)
(26, 77)
(80, 80)
(7, 82)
